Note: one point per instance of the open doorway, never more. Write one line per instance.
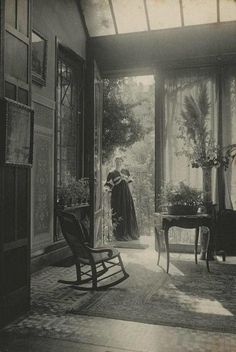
(129, 133)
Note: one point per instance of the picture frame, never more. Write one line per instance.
(39, 58)
(16, 134)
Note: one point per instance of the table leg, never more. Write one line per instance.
(208, 248)
(196, 243)
(158, 244)
(167, 249)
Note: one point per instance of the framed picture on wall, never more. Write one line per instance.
(39, 58)
(16, 134)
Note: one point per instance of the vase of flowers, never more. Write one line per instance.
(207, 185)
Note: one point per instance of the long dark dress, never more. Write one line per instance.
(124, 220)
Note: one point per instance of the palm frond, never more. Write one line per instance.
(203, 100)
(191, 107)
(192, 119)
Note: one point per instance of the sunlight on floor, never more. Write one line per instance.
(193, 304)
(205, 306)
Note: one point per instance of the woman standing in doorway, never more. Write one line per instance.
(124, 220)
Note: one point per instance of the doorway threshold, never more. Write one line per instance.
(133, 244)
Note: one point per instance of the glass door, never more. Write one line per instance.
(93, 143)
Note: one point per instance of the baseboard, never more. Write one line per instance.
(182, 248)
(50, 258)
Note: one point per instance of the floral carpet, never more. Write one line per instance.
(187, 297)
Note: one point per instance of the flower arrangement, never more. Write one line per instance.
(207, 156)
(73, 192)
(199, 146)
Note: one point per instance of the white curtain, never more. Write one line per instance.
(177, 86)
(177, 168)
(229, 134)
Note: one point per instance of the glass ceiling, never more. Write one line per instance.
(107, 17)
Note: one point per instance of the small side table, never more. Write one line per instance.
(163, 222)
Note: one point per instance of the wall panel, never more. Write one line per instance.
(42, 177)
(56, 21)
(15, 180)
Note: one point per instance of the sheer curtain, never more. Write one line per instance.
(229, 134)
(177, 168)
(177, 86)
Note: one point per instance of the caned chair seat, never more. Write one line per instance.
(106, 268)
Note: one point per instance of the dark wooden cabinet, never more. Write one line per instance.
(15, 84)
(226, 231)
(15, 242)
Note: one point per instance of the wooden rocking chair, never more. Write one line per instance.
(91, 263)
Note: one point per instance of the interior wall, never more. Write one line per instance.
(15, 170)
(57, 21)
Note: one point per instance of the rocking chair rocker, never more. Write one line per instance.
(91, 263)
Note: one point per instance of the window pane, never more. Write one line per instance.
(10, 6)
(164, 13)
(38, 55)
(199, 11)
(10, 91)
(23, 96)
(98, 17)
(67, 120)
(130, 15)
(22, 16)
(184, 84)
(16, 58)
(227, 10)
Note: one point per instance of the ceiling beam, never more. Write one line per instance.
(195, 45)
(218, 10)
(113, 16)
(181, 12)
(78, 2)
(146, 14)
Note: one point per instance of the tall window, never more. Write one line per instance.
(177, 87)
(229, 134)
(177, 168)
(69, 124)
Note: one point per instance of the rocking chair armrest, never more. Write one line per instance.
(100, 250)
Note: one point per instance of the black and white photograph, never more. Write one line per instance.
(117, 175)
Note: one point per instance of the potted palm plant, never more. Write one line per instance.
(180, 199)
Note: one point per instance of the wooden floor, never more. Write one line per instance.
(44, 344)
(123, 336)
(96, 334)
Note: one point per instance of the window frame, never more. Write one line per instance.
(63, 52)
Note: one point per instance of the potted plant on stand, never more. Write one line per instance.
(72, 193)
(180, 199)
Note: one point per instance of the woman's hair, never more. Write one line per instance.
(118, 158)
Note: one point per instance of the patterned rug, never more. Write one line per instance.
(187, 297)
